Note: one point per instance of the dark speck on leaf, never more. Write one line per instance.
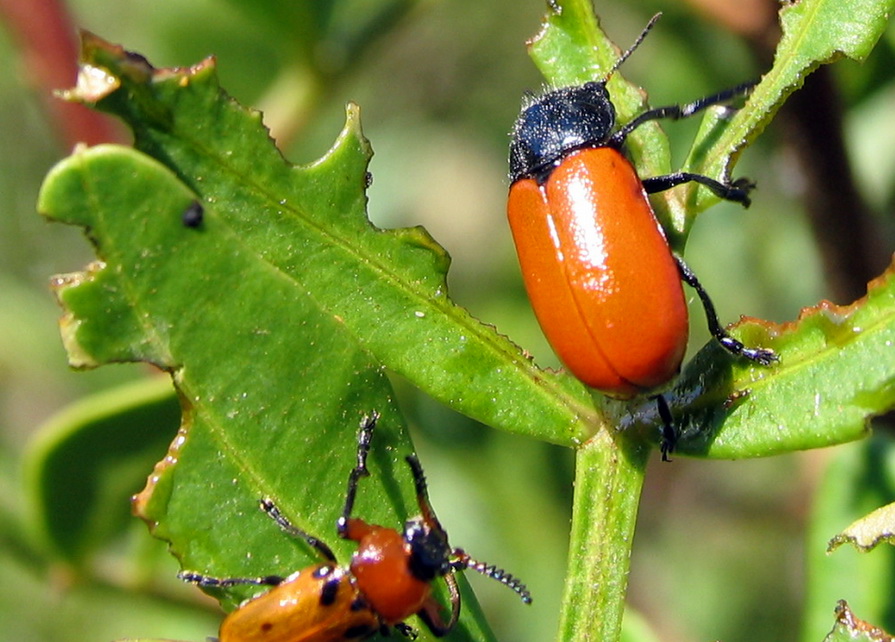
(192, 216)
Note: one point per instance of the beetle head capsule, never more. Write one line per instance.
(557, 123)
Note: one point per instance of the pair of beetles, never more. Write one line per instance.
(606, 289)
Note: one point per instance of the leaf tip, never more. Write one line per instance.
(849, 626)
(96, 80)
(354, 129)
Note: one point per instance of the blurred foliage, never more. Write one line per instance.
(440, 84)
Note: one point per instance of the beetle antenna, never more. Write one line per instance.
(633, 47)
(465, 561)
(422, 493)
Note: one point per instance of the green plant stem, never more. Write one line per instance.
(608, 482)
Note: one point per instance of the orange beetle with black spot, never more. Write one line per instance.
(603, 282)
(388, 580)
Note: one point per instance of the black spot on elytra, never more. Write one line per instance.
(329, 591)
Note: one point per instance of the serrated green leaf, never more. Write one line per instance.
(836, 369)
(869, 531)
(273, 387)
(86, 462)
(191, 301)
(309, 224)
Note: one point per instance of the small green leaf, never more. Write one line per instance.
(869, 531)
(86, 462)
(815, 32)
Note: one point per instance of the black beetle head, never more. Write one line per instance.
(557, 123)
(430, 552)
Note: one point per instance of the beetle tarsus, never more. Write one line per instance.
(737, 191)
(762, 356)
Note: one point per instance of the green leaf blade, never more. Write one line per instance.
(81, 468)
(819, 31)
(189, 293)
(815, 32)
(835, 371)
(273, 382)
(379, 284)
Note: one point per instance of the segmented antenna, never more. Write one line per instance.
(632, 48)
(489, 570)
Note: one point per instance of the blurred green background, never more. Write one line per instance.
(720, 547)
